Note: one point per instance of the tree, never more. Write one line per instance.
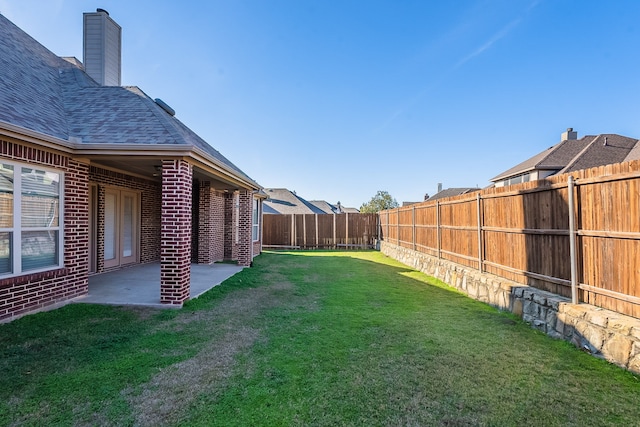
(381, 201)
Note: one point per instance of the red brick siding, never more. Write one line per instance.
(244, 228)
(210, 227)
(230, 248)
(175, 251)
(30, 292)
(150, 202)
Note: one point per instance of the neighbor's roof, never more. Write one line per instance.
(42, 92)
(324, 206)
(575, 154)
(283, 201)
(450, 192)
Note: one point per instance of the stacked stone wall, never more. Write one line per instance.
(603, 333)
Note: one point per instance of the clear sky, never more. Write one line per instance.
(339, 99)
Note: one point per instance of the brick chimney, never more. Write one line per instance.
(102, 48)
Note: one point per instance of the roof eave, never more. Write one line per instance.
(200, 157)
(27, 135)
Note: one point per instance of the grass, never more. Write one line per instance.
(305, 338)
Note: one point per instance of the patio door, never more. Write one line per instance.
(121, 227)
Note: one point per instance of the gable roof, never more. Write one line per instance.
(44, 93)
(575, 154)
(324, 206)
(283, 201)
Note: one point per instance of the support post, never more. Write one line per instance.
(438, 226)
(572, 243)
(413, 226)
(480, 260)
(346, 229)
(335, 242)
(304, 230)
(317, 242)
(398, 226)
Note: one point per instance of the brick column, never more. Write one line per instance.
(175, 245)
(211, 225)
(229, 227)
(244, 228)
(76, 228)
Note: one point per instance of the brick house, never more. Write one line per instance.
(95, 177)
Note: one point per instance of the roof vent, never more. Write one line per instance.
(165, 107)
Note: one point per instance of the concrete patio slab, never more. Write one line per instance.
(140, 284)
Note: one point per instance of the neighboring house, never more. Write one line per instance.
(328, 208)
(450, 192)
(572, 154)
(285, 202)
(95, 177)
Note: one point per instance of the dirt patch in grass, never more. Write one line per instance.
(170, 392)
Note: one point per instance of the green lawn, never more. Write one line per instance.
(305, 338)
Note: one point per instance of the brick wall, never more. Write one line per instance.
(150, 209)
(175, 250)
(244, 228)
(32, 292)
(230, 247)
(210, 226)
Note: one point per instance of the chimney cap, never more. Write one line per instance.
(569, 129)
(102, 10)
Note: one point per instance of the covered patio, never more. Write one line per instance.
(140, 284)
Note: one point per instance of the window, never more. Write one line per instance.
(30, 219)
(255, 229)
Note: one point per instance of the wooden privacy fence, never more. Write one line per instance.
(320, 231)
(581, 230)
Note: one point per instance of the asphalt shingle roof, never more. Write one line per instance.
(283, 201)
(450, 192)
(575, 154)
(50, 95)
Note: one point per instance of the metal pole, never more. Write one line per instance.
(572, 244)
(480, 262)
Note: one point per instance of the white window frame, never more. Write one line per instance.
(255, 220)
(17, 229)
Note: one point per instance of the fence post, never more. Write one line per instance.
(572, 243)
(346, 229)
(335, 243)
(293, 230)
(438, 225)
(480, 260)
(388, 223)
(304, 230)
(413, 226)
(317, 242)
(398, 226)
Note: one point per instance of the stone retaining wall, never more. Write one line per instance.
(603, 333)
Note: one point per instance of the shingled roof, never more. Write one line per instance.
(450, 192)
(44, 93)
(283, 201)
(575, 154)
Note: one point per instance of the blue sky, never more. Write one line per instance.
(339, 99)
